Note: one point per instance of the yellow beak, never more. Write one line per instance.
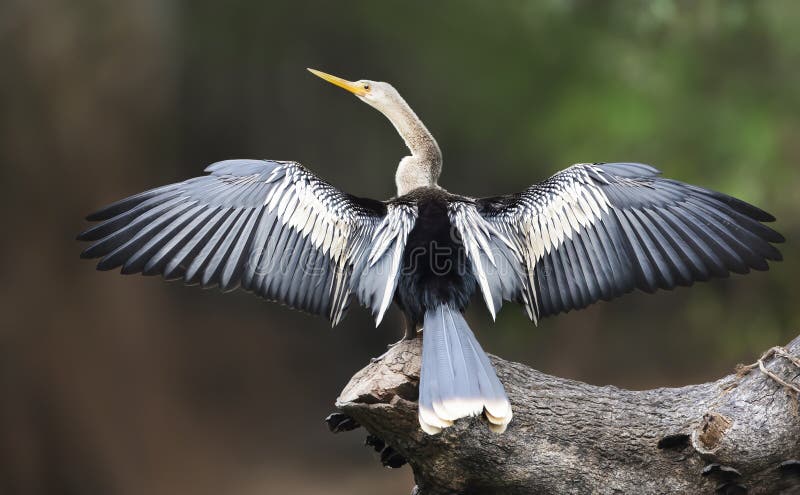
(354, 88)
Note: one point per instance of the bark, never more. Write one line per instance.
(739, 434)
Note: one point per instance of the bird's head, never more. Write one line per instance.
(380, 95)
(423, 167)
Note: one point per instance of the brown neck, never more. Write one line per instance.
(423, 167)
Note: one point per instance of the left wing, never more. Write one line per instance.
(273, 228)
(597, 231)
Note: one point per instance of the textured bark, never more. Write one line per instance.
(739, 434)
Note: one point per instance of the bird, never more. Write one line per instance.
(591, 232)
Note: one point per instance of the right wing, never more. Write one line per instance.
(273, 228)
(597, 231)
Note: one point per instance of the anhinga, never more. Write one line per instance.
(593, 231)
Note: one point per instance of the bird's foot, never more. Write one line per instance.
(380, 358)
(389, 349)
(410, 333)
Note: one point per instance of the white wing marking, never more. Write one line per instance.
(475, 233)
(548, 214)
(390, 238)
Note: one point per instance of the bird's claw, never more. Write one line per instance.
(388, 349)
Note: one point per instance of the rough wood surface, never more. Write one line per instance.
(739, 434)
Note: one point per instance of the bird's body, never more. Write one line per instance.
(435, 269)
(591, 232)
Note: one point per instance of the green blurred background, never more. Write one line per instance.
(129, 385)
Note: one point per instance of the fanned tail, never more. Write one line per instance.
(457, 379)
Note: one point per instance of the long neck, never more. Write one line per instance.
(423, 167)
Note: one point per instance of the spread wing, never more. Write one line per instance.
(272, 228)
(596, 231)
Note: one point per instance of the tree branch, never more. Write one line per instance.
(739, 434)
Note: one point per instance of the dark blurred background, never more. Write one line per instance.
(129, 385)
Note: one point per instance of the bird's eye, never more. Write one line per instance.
(366, 86)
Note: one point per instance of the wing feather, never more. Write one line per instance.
(272, 228)
(596, 231)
